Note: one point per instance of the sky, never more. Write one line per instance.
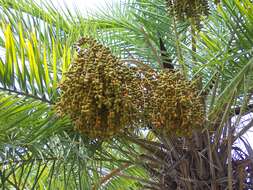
(84, 5)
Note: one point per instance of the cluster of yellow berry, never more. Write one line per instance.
(99, 93)
(189, 9)
(174, 104)
(104, 97)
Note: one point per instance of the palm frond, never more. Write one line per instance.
(29, 68)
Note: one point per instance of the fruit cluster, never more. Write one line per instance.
(174, 105)
(104, 97)
(99, 93)
(189, 9)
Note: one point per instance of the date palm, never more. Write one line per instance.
(40, 150)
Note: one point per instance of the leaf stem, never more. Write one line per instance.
(178, 48)
(27, 95)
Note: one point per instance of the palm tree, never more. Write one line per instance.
(211, 48)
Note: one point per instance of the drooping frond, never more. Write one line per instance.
(29, 67)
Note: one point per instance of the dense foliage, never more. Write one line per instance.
(168, 85)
